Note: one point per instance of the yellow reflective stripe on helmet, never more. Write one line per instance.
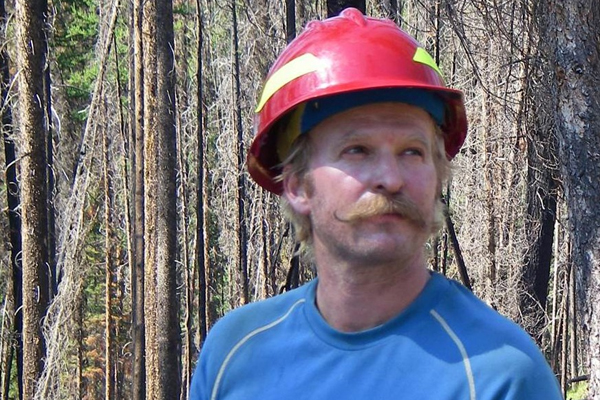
(302, 65)
(423, 57)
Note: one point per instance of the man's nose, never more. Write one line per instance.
(388, 175)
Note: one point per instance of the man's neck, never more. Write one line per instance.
(354, 299)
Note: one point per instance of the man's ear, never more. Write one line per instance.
(296, 192)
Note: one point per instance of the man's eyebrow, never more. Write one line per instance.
(420, 138)
(352, 135)
(356, 134)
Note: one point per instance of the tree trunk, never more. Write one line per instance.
(110, 275)
(290, 20)
(14, 217)
(169, 340)
(122, 339)
(163, 343)
(119, 281)
(78, 323)
(573, 338)
(565, 335)
(541, 216)
(460, 262)
(31, 58)
(334, 7)
(396, 11)
(182, 54)
(241, 181)
(137, 271)
(573, 29)
(150, 198)
(51, 182)
(201, 250)
(265, 235)
(188, 282)
(6, 346)
(489, 167)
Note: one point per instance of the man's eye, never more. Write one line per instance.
(414, 152)
(356, 150)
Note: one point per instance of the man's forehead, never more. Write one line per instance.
(394, 116)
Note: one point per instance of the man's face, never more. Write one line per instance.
(363, 161)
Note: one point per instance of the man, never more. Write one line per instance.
(355, 128)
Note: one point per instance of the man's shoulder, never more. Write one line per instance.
(470, 314)
(238, 329)
(504, 358)
(267, 309)
(257, 316)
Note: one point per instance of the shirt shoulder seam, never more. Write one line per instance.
(240, 343)
(461, 348)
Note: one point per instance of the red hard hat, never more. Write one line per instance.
(346, 58)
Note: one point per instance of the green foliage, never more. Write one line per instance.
(122, 48)
(93, 253)
(578, 391)
(184, 9)
(13, 388)
(75, 35)
(74, 47)
(219, 279)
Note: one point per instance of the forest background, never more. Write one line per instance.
(129, 224)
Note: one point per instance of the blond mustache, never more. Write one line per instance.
(380, 205)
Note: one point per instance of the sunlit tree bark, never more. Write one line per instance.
(150, 198)
(167, 323)
(163, 344)
(137, 270)
(573, 29)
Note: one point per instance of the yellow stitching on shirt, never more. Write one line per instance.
(462, 350)
(243, 341)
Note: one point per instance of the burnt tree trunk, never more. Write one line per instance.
(290, 20)
(150, 198)
(51, 182)
(14, 217)
(395, 11)
(201, 249)
(241, 180)
(539, 223)
(167, 309)
(31, 62)
(137, 270)
(110, 275)
(334, 7)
